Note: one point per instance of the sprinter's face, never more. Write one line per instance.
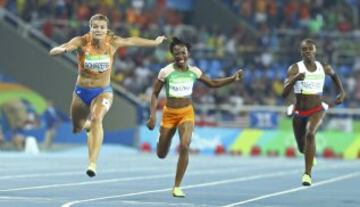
(181, 55)
(98, 29)
(308, 51)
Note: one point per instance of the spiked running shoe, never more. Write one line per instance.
(177, 192)
(91, 171)
(306, 180)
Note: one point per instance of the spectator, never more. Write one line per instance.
(2, 138)
(15, 113)
(278, 24)
(53, 119)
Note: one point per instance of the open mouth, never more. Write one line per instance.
(181, 61)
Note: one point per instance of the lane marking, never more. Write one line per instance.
(143, 203)
(70, 173)
(4, 168)
(24, 198)
(80, 171)
(133, 178)
(214, 183)
(324, 182)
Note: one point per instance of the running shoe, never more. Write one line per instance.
(177, 192)
(306, 180)
(91, 171)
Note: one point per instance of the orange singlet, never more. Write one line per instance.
(95, 62)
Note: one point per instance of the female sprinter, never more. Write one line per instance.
(307, 78)
(178, 113)
(92, 97)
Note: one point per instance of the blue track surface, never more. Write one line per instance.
(130, 179)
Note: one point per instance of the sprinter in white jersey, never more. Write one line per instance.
(178, 113)
(307, 78)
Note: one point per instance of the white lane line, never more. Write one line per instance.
(71, 173)
(24, 198)
(242, 179)
(81, 172)
(324, 182)
(78, 171)
(134, 178)
(72, 166)
(149, 203)
(37, 168)
(88, 182)
(214, 183)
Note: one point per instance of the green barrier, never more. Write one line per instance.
(337, 141)
(275, 142)
(356, 126)
(279, 141)
(353, 150)
(244, 142)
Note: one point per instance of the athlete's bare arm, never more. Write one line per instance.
(137, 41)
(338, 84)
(73, 44)
(219, 82)
(153, 103)
(293, 75)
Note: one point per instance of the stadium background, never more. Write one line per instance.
(245, 118)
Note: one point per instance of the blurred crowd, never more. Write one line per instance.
(314, 16)
(264, 54)
(19, 119)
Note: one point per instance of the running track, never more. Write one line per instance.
(131, 179)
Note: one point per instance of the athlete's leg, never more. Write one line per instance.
(185, 132)
(79, 113)
(87, 124)
(164, 142)
(312, 126)
(99, 107)
(299, 128)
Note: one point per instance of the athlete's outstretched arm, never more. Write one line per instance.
(293, 75)
(153, 103)
(73, 44)
(219, 82)
(137, 41)
(338, 84)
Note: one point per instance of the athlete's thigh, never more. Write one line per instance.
(79, 112)
(299, 127)
(166, 135)
(315, 121)
(101, 105)
(185, 131)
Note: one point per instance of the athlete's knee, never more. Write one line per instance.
(161, 153)
(96, 119)
(184, 147)
(310, 135)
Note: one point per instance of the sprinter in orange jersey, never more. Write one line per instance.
(92, 97)
(178, 113)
